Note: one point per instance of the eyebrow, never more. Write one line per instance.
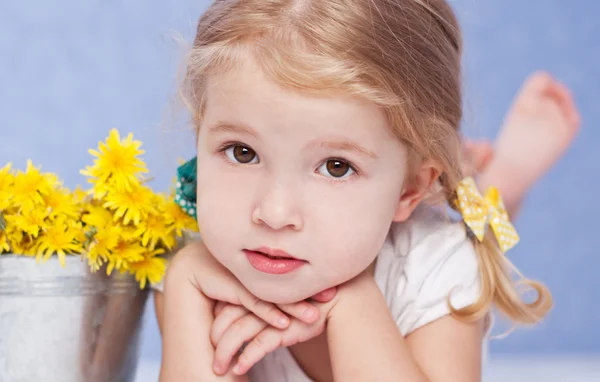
(230, 127)
(347, 146)
(344, 145)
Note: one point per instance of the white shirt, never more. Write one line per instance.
(422, 262)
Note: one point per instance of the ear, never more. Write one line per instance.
(415, 191)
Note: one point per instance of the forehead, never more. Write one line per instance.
(244, 93)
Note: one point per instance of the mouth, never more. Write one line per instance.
(273, 261)
(274, 253)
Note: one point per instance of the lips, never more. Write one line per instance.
(273, 261)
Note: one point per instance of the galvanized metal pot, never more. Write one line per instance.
(66, 324)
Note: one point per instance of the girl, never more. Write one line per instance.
(322, 128)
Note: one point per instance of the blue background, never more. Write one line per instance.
(71, 70)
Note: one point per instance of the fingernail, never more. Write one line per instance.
(308, 313)
(237, 369)
(283, 322)
(216, 367)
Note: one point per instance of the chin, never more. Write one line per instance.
(278, 295)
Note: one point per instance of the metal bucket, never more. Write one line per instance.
(66, 324)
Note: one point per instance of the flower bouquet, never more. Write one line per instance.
(119, 224)
(75, 265)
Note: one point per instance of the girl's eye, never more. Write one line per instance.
(241, 154)
(336, 168)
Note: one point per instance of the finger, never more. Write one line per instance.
(264, 343)
(223, 321)
(219, 307)
(303, 311)
(241, 331)
(326, 295)
(264, 310)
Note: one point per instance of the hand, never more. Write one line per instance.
(219, 284)
(234, 326)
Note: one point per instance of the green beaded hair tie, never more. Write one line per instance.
(185, 194)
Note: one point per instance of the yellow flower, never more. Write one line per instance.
(124, 253)
(179, 219)
(117, 163)
(77, 226)
(20, 242)
(29, 221)
(80, 195)
(131, 205)
(127, 233)
(62, 202)
(59, 239)
(30, 187)
(4, 244)
(98, 217)
(6, 182)
(154, 228)
(2, 221)
(96, 257)
(103, 242)
(150, 269)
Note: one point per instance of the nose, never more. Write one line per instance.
(277, 208)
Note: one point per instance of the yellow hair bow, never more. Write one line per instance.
(478, 211)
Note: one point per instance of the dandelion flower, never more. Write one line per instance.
(154, 229)
(131, 205)
(20, 242)
(150, 269)
(80, 195)
(6, 182)
(4, 244)
(98, 217)
(103, 242)
(30, 186)
(30, 222)
(59, 239)
(77, 226)
(117, 162)
(179, 218)
(61, 202)
(124, 253)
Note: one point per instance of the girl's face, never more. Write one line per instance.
(296, 193)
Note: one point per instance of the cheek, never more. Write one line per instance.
(357, 243)
(353, 226)
(222, 205)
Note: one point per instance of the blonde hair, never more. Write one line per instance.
(404, 55)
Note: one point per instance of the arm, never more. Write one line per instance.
(365, 343)
(159, 308)
(448, 349)
(194, 282)
(188, 317)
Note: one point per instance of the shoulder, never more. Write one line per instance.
(186, 262)
(187, 248)
(425, 263)
(425, 241)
